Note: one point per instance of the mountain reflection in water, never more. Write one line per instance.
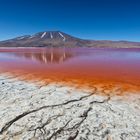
(49, 55)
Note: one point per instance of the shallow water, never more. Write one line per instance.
(83, 66)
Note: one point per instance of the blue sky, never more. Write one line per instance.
(89, 19)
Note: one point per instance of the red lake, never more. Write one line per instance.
(81, 66)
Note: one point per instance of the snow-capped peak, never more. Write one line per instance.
(43, 34)
(62, 36)
(51, 35)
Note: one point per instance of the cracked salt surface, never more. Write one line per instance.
(28, 111)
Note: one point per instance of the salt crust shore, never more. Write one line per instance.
(32, 112)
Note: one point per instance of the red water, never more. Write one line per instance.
(82, 66)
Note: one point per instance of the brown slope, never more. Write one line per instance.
(60, 39)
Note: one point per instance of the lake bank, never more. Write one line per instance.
(31, 111)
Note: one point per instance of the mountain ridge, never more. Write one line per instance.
(61, 39)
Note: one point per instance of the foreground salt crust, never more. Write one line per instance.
(53, 111)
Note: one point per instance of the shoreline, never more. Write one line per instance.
(28, 111)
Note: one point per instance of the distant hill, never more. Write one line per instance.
(60, 39)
